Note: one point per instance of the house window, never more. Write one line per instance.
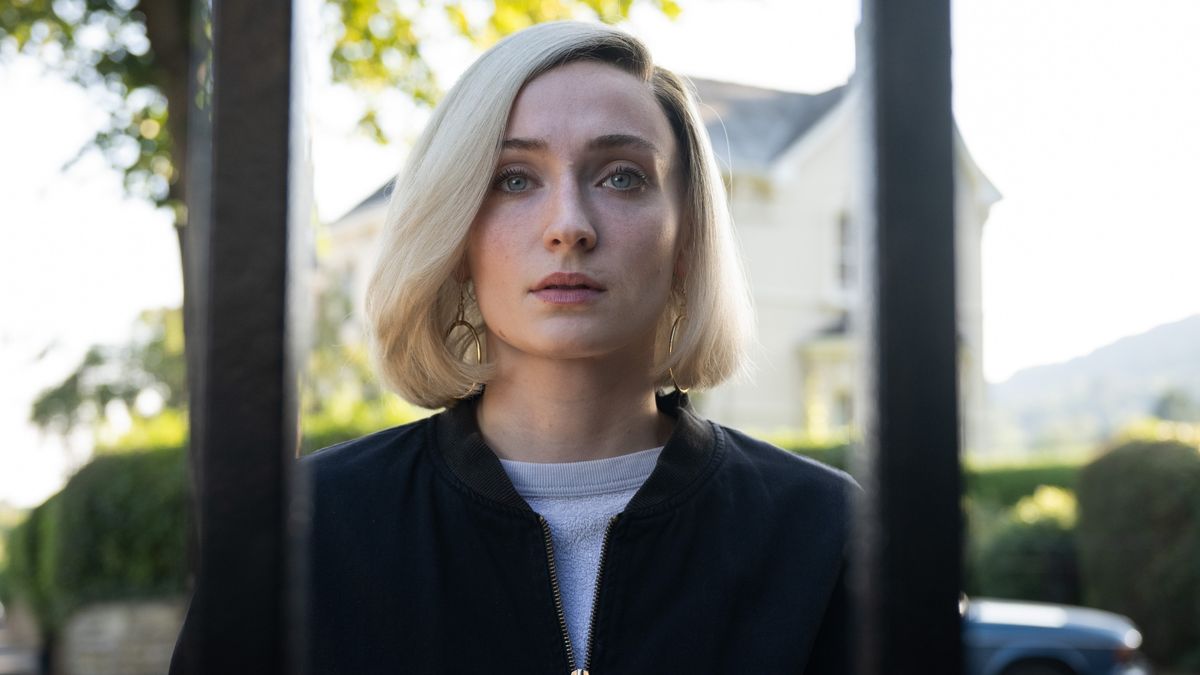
(847, 250)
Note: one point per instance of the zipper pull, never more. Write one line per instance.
(579, 671)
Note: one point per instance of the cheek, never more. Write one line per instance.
(492, 265)
(488, 248)
(650, 233)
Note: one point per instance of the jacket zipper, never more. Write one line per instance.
(558, 603)
(587, 663)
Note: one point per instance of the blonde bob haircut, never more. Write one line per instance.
(414, 291)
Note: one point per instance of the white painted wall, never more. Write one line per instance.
(787, 223)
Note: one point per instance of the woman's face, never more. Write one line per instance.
(586, 185)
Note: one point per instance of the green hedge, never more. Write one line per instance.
(999, 486)
(115, 531)
(23, 547)
(1139, 536)
(1006, 485)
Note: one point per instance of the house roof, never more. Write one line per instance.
(760, 124)
(750, 126)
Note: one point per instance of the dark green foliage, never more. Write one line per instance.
(116, 531)
(1026, 552)
(981, 522)
(25, 571)
(1006, 485)
(1139, 536)
(1009, 557)
(1029, 561)
(837, 456)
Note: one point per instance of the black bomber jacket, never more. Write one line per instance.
(730, 559)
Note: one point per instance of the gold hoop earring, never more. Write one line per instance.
(461, 320)
(671, 340)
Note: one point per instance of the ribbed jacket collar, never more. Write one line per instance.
(692, 450)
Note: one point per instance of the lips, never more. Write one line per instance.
(568, 289)
(568, 281)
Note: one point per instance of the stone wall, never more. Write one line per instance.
(121, 638)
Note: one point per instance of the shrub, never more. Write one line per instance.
(981, 522)
(1027, 552)
(123, 531)
(1139, 535)
(115, 531)
(24, 548)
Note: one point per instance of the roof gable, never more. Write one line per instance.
(760, 124)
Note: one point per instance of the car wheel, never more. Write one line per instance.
(1038, 668)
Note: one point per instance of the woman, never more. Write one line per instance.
(557, 251)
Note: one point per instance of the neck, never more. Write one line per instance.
(541, 410)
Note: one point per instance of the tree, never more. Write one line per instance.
(1176, 405)
(145, 377)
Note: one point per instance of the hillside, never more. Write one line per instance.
(1086, 398)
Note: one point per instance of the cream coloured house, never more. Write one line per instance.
(789, 158)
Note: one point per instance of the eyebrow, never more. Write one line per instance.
(622, 141)
(530, 144)
(605, 142)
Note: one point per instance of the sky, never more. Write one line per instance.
(1083, 113)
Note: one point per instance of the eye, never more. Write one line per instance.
(512, 180)
(625, 178)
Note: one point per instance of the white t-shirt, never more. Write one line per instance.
(577, 499)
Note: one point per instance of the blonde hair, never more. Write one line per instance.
(414, 294)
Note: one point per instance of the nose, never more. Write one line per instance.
(570, 224)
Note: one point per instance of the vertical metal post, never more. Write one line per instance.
(908, 567)
(242, 349)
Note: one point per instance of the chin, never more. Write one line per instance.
(574, 344)
(574, 347)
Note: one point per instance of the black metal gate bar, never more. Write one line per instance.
(908, 560)
(243, 396)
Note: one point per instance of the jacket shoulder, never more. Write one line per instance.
(785, 469)
(371, 454)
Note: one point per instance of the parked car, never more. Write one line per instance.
(1002, 637)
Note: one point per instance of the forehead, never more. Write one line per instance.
(582, 100)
